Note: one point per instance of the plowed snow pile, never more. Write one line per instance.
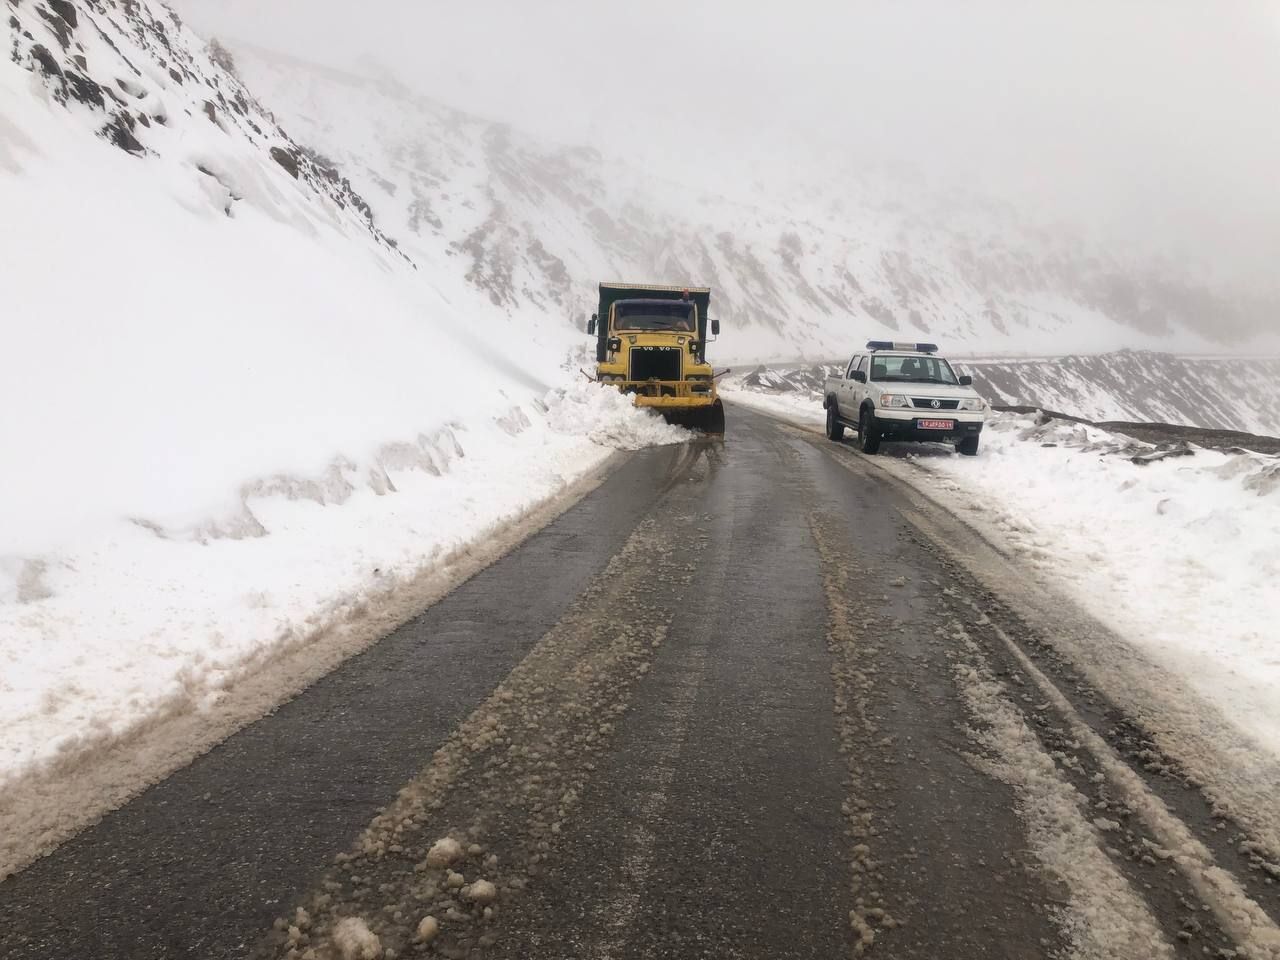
(1177, 552)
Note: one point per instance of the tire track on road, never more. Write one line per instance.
(1170, 840)
(650, 796)
(472, 831)
(919, 823)
(1170, 747)
(1240, 925)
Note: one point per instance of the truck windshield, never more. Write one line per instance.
(676, 315)
(912, 370)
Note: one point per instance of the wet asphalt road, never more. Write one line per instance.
(729, 705)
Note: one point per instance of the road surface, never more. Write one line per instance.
(745, 700)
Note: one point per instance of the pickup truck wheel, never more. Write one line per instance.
(835, 429)
(869, 434)
(968, 447)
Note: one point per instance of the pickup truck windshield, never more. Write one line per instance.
(676, 315)
(912, 370)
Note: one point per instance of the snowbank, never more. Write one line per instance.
(140, 626)
(1177, 555)
(137, 621)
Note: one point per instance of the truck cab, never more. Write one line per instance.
(904, 392)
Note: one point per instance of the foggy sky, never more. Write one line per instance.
(1154, 123)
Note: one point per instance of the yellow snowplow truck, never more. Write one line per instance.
(651, 341)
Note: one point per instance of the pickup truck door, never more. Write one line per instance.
(849, 397)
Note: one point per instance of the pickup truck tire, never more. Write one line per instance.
(868, 433)
(835, 429)
(968, 447)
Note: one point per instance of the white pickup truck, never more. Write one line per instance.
(903, 391)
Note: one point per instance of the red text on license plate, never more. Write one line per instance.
(937, 424)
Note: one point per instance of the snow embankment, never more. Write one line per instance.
(1176, 553)
(140, 629)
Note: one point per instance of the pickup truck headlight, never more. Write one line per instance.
(972, 404)
(894, 400)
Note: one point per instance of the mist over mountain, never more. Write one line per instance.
(800, 268)
(1141, 133)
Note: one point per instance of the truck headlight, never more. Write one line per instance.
(894, 400)
(972, 404)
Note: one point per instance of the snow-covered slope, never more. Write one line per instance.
(183, 313)
(801, 270)
(1129, 385)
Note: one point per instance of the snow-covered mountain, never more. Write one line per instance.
(800, 271)
(1139, 385)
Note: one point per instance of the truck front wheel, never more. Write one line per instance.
(968, 447)
(835, 429)
(868, 433)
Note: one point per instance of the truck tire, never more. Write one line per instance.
(968, 447)
(868, 433)
(835, 429)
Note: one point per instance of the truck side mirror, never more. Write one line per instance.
(859, 375)
(966, 381)
(591, 324)
(715, 327)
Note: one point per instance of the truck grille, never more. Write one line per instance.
(655, 363)
(928, 403)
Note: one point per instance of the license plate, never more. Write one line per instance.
(937, 424)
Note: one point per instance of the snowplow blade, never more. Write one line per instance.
(709, 419)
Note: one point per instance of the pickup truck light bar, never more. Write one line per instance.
(874, 345)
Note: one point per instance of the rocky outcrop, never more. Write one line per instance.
(130, 67)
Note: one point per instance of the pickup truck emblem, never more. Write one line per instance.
(936, 404)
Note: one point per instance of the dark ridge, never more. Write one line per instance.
(119, 131)
(66, 11)
(1225, 440)
(287, 160)
(85, 90)
(48, 65)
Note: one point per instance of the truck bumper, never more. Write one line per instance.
(669, 394)
(908, 428)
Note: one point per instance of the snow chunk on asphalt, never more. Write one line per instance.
(609, 418)
(428, 929)
(355, 941)
(444, 852)
(482, 892)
